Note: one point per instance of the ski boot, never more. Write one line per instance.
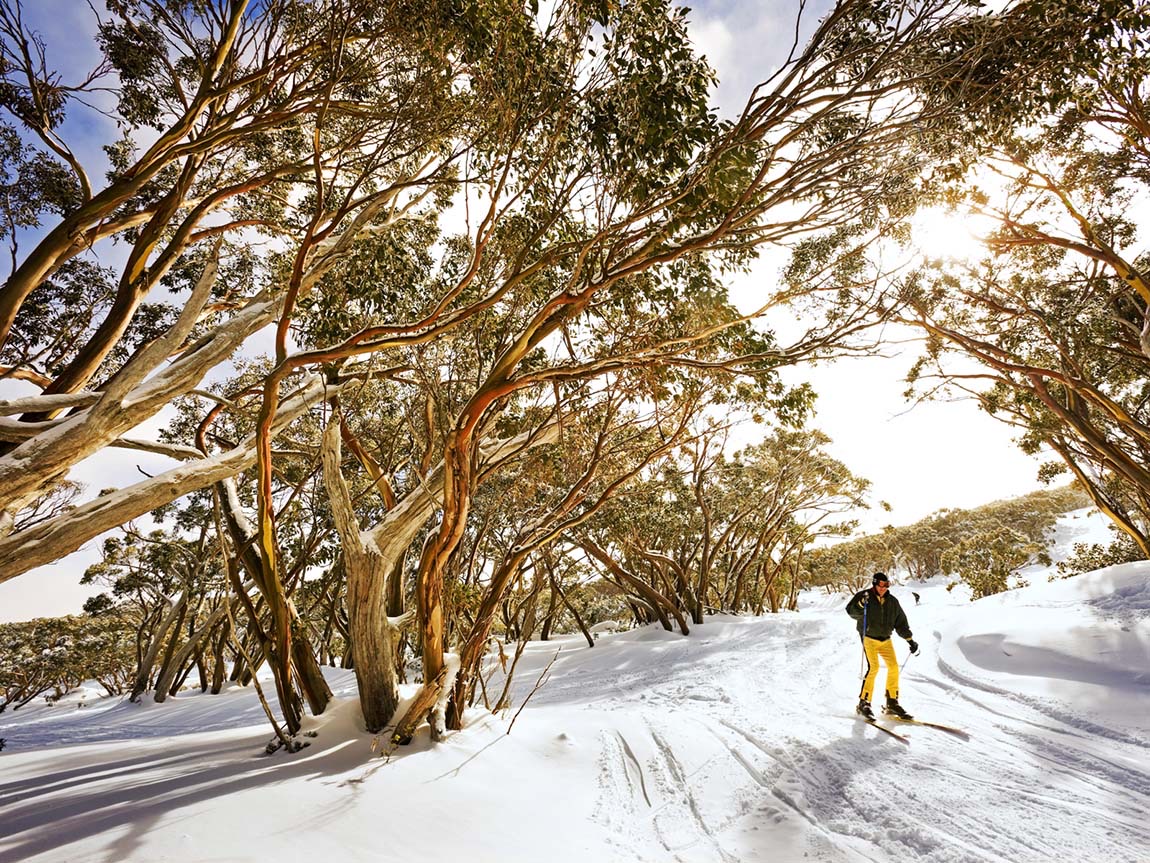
(893, 708)
(864, 710)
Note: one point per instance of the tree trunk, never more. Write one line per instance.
(424, 701)
(172, 667)
(308, 674)
(144, 670)
(373, 638)
(219, 667)
(471, 655)
(201, 669)
(286, 644)
(654, 600)
(371, 634)
(437, 554)
(395, 597)
(549, 617)
(575, 614)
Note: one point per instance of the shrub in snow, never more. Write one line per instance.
(55, 655)
(1088, 557)
(988, 561)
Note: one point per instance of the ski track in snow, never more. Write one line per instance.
(1035, 782)
(1072, 723)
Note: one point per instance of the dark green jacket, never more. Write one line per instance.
(882, 618)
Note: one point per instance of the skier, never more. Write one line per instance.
(878, 613)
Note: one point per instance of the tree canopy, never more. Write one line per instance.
(428, 295)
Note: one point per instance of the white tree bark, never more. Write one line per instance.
(59, 536)
(373, 635)
(44, 459)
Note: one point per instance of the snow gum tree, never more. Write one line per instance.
(711, 530)
(467, 208)
(52, 656)
(987, 561)
(529, 514)
(639, 216)
(985, 545)
(257, 141)
(171, 586)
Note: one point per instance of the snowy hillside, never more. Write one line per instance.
(736, 743)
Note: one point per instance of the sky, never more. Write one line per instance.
(737, 744)
(919, 459)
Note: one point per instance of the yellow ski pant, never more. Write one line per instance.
(873, 648)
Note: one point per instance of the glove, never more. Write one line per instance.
(913, 646)
(862, 602)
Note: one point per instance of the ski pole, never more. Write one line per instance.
(862, 643)
(909, 654)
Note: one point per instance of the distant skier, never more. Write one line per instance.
(879, 612)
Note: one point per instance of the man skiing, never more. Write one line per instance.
(877, 614)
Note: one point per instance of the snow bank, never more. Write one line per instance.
(1076, 642)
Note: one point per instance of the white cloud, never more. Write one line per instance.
(713, 40)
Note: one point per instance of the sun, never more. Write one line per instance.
(950, 235)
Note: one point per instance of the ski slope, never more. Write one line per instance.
(736, 743)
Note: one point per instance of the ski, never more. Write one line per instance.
(873, 723)
(949, 729)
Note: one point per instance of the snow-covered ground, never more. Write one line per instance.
(736, 743)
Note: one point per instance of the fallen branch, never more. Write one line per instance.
(538, 685)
